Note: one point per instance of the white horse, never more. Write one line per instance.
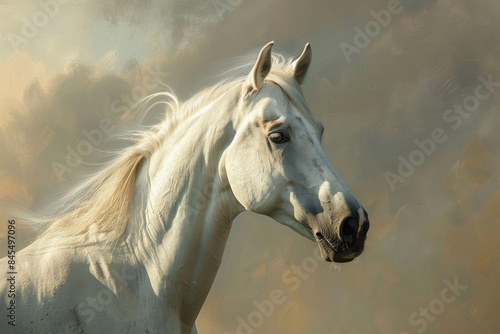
(138, 246)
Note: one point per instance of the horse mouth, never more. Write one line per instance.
(336, 250)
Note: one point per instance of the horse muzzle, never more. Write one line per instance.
(348, 243)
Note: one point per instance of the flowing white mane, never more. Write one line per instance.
(101, 203)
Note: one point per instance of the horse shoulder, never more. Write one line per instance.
(45, 273)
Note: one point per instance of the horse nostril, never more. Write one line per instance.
(349, 230)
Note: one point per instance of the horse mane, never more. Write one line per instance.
(101, 204)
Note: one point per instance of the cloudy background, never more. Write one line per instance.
(66, 65)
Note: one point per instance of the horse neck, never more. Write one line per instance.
(183, 212)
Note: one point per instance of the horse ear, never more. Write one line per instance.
(301, 64)
(261, 68)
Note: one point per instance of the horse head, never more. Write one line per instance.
(275, 164)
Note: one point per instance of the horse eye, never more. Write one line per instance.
(277, 137)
